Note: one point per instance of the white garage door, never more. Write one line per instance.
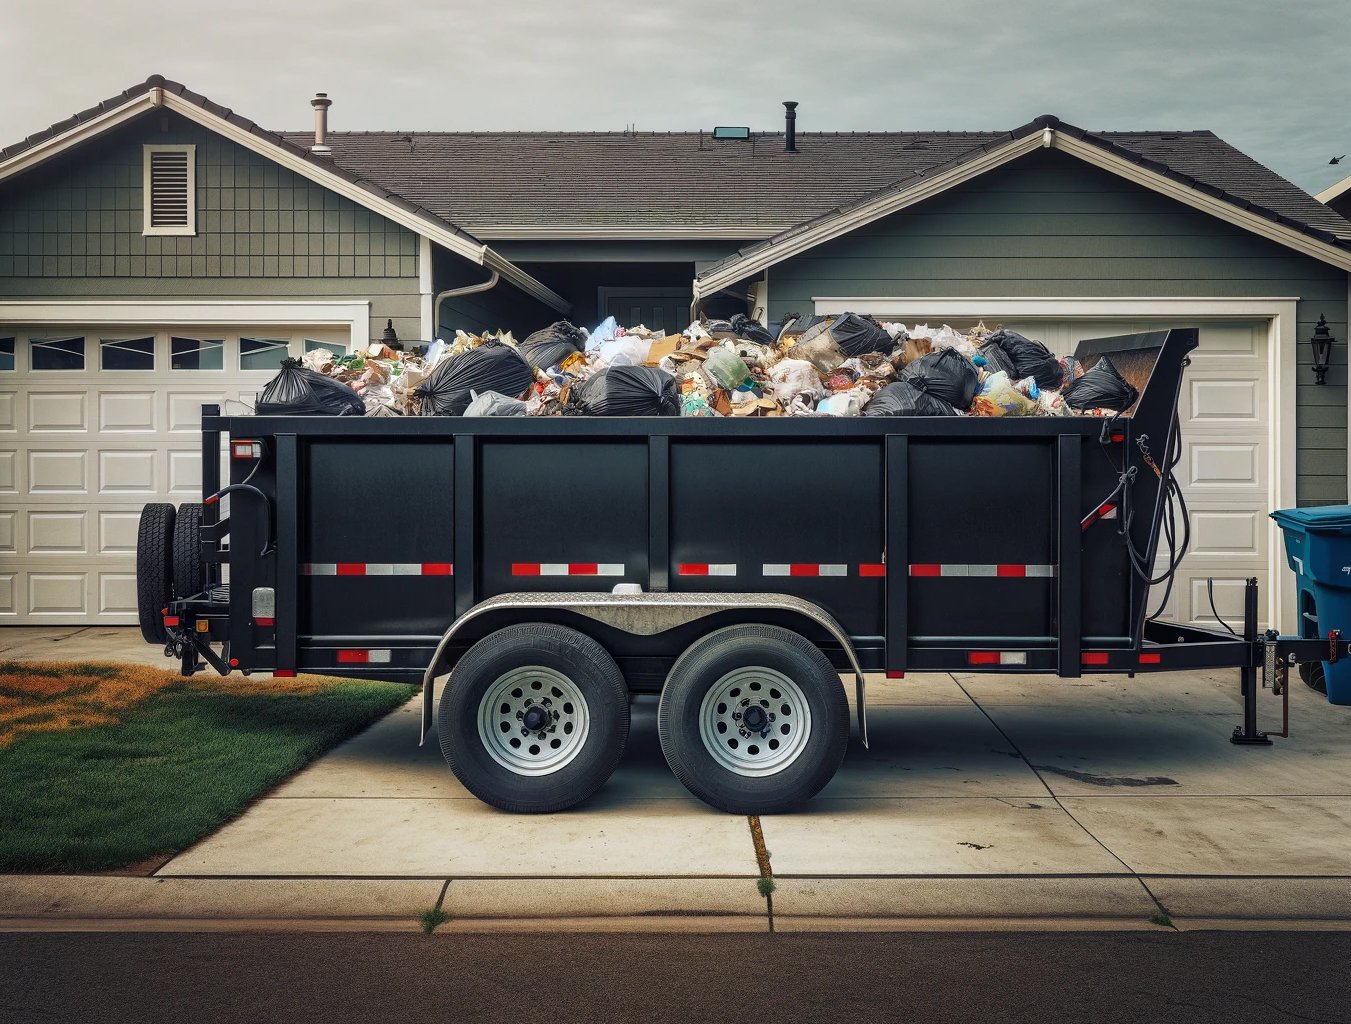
(94, 423)
(1225, 472)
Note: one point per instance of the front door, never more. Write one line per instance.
(665, 309)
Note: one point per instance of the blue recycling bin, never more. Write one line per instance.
(1318, 548)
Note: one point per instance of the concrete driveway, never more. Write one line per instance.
(982, 797)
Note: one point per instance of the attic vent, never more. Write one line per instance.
(170, 190)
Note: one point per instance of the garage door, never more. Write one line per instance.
(94, 423)
(1225, 471)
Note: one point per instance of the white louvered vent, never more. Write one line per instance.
(169, 190)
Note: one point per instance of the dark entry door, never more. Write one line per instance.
(666, 309)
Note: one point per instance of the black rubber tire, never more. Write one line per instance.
(189, 569)
(587, 664)
(709, 659)
(1312, 674)
(154, 570)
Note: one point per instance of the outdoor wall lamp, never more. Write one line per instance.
(1322, 350)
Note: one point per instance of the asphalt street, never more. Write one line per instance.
(1044, 977)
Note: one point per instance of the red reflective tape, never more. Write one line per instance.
(1151, 659)
(804, 569)
(438, 569)
(983, 658)
(284, 673)
(872, 569)
(895, 675)
(1095, 658)
(525, 568)
(693, 569)
(171, 620)
(234, 663)
(1010, 570)
(583, 568)
(351, 568)
(926, 570)
(353, 657)
(264, 622)
(212, 500)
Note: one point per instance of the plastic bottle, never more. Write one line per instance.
(726, 367)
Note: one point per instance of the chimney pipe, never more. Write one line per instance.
(321, 103)
(790, 126)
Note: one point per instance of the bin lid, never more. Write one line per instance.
(1316, 518)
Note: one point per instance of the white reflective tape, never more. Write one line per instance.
(553, 568)
(1013, 657)
(1299, 564)
(379, 569)
(957, 570)
(722, 569)
(832, 570)
(380, 657)
(1043, 571)
(974, 570)
(319, 569)
(406, 569)
(774, 570)
(610, 569)
(985, 571)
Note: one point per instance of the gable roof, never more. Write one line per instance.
(1335, 192)
(159, 92)
(1289, 215)
(685, 184)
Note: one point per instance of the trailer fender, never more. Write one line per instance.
(645, 614)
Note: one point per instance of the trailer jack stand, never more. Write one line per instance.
(1247, 734)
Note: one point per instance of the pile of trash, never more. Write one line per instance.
(843, 365)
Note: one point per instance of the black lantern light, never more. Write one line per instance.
(1322, 350)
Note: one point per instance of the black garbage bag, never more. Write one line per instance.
(551, 345)
(944, 374)
(298, 391)
(900, 398)
(492, 366)
(627, 391)
(1102, 387)
(996, 360)
(1026, 358)
(857, 335)
(751, 330)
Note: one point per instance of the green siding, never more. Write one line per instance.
(1050, 226)
(71, 228)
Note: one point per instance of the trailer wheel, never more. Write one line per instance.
(1312, 674)
(534, 718)
(753, 719)
(189, 570)
(154, 570)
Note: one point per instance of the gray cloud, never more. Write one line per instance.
(1266, 77)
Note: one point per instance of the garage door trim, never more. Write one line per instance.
(1279, 313)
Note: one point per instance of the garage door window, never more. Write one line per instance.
(196, 354)
(6, 354)
(127, 353)
(261, 353)
(57, 353)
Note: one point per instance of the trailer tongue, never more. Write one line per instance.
(735, 566)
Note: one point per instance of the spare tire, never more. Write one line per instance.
(189, 570)
(154, 570)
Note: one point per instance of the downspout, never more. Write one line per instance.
(452, 293)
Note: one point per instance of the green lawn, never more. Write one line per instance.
(157, 771)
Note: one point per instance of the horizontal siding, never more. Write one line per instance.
(1049, 226)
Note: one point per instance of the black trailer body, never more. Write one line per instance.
(391, 547)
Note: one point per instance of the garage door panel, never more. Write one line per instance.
(9, 471)
(1229, 532)
(9, 411)
(1224, 465)
(128, 412)
(57, 411)
(185, 472)
(57, 532)
(117, 594)
(53, 471)
(185, 410)
(57, 593)
(117, 531)
(1217, 398)
(128, 471)
(9, 582)
(9, 532)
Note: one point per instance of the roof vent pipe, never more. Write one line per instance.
(321, 103)
(790, 126)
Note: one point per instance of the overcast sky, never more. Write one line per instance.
(1269, 77)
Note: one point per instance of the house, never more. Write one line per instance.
(1337, 196)
(159, 251)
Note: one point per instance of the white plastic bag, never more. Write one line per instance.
(844, 403)
(490, 403)
(605, 332)
(625, 351)
(946, 337)
(793, 377)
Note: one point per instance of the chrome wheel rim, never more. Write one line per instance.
(755, 721)
(533, 720)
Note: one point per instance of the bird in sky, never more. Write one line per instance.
(1337, 159)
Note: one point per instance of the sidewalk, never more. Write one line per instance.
(984, 802)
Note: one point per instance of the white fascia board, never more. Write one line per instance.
(1198, 200)
(1134, 307)
(81, 133)
(1334, 191)
(865, 213)
(625, 233)
(474, 251)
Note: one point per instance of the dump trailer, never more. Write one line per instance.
(553, 567)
